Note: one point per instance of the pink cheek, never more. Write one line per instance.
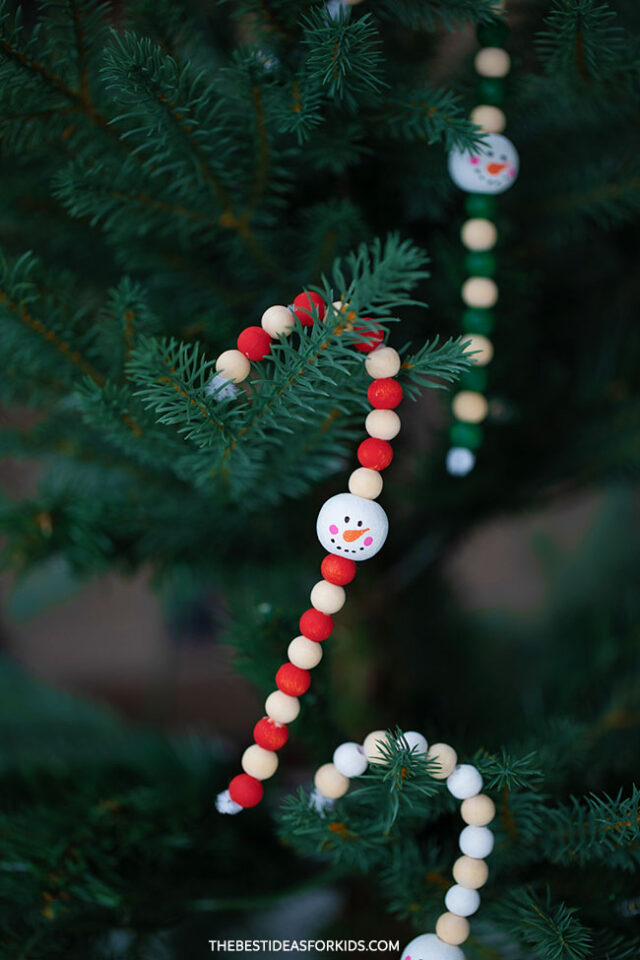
(474, 160)
(512, 172)
(368, 541)
(333, 529)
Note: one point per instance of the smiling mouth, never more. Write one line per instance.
(352, 535)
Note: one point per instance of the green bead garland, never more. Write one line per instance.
(480, 263)
(467, 435)
(478, 320)
(491, 90)
(480, 204)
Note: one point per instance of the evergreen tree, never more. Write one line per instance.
(168, 171)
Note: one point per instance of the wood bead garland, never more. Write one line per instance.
(464, 781)
(490, 169)
(351, 527)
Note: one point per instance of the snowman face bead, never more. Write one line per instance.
(351, 526)
(429, 947)
(491, 168)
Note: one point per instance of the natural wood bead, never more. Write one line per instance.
(479, 234)
(452, 929)
(233, 365)
(281, 707)
(469, 872)
(372, 748)
(492, 62)
(478, 811)
(480, 346)
(489, 118)
(278, 321)
(480, 292)
(328, 597)
(383, 424)
(446, 759)
(330, 782)
(470, 406)
(304, 653)
(366, 483)
(259, 763)
(383, 362)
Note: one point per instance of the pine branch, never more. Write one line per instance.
(428, 14)
(554, 931)
(430, 115)
(580, 40)
(594, 829)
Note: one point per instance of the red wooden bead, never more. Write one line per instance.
(269, 734)
(384, 394)
(375, 454)
(315, 625)
(292, 680)
(339, 570)
(255, 343)
(303, 307)
(372, 337)
(246, 790)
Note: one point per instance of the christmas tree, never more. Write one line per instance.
(170, 169)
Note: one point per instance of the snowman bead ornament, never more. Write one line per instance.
(483, 173)
(429, 947)
(352, 526)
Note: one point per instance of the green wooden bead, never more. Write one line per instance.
(493, 34)
(480, 204)
(478, 320)
(474, 379)
(466, 435)
(491, 90)
(480, 263)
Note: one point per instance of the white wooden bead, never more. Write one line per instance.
(465, 781)
(366, 483)
(428, 947)
(330, 782)
(383, 362)
(281, 707)
(476, 842)
(492, 62)
(470, 872)
(470, 406)
(479, 234)
(461, 901)
(350, 759)
(371, 746)
(446, 759)
(489, 118)
(259, 763)
(278, 321)
(451, 929)
(233, 365)
(478, 811)
(328, 597)
(480, 292)
(383, 424)
(415, 742)
(480, 346)
(304, 653)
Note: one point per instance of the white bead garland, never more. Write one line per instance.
(281, 708)
(233, 365)
(452, 929)
(461, 901)
(278, 321)
(373, 746)
(445, 759)
(480, 346)
(476, 842)
(258, 762)
(464, 782)
(460, 461)
(470, 872)
(478, 811)
(469, 406)
(330, 782)
(350, 759)
(414, 742)
(480, 292)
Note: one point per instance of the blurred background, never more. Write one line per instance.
(154, 569)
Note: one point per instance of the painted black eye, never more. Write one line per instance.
(359, 523)
(503, 156)
(490, 153)
(346, 519)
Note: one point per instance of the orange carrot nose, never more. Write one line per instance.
(351, 535)
(496, 167)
